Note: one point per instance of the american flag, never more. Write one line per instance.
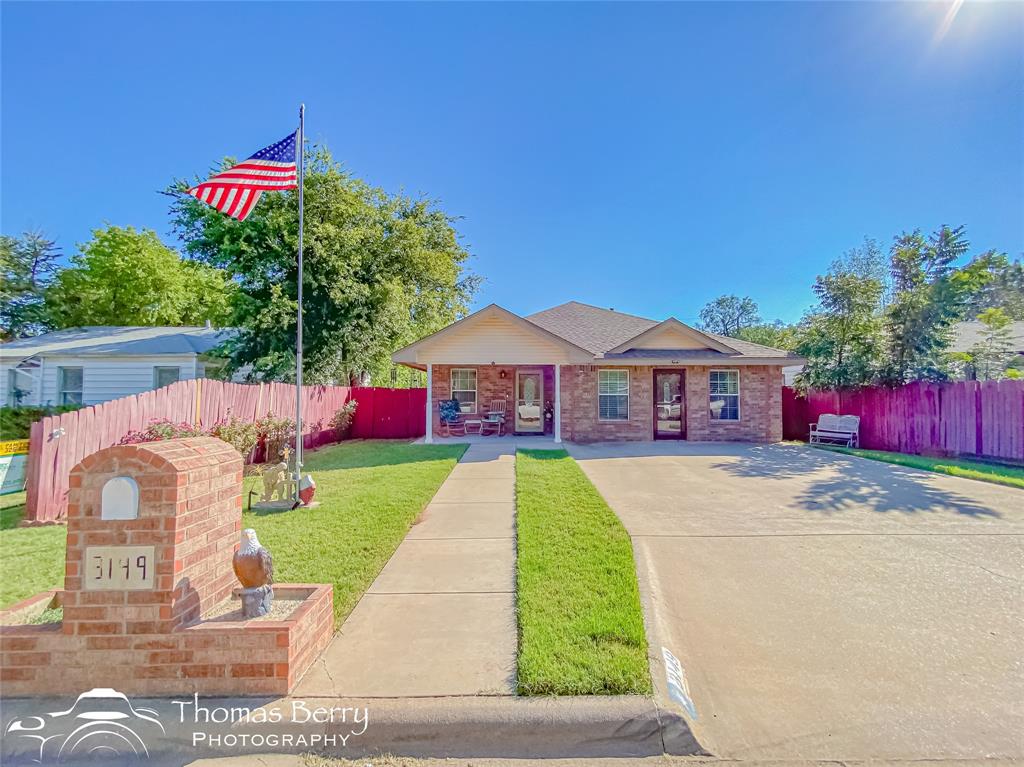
(237, 190)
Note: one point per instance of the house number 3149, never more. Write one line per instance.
(118, 567)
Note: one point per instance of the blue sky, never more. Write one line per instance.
(647, 157)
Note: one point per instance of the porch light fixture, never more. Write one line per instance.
(503, 374)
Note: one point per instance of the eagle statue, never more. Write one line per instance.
(254, 568)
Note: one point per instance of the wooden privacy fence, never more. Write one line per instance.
(979, 418)
(60, 442)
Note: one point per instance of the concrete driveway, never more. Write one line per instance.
(824, 606)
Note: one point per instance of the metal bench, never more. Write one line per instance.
(832, 429)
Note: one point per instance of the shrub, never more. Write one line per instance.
(342, 419)
(243, 436)
(274, 433)
(161, 429)
(15, 422)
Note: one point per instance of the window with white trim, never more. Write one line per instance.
(724, 395)
(613, 395)
(69, 386)
(165, 376)
(464, 388)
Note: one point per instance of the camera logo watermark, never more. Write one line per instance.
(101, 722)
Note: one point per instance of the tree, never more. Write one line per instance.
(930, 293)
(987, 360)
(380, 271)
(128, 277)
(27, 264)
(841, 338)
(1004, 290)
(777, 335)
(727, 315)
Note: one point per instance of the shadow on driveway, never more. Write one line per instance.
(839, 483)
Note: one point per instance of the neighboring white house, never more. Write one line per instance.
(95, 364)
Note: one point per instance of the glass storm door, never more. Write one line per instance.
(669, 411)
(529, 401)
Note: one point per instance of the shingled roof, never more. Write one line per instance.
(595, 329)
(598, 330)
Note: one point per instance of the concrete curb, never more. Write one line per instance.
(475, 727)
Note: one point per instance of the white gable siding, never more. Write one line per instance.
(103, 378)
(669, 338)
(491, 339)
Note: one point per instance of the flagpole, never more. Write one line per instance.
(298, 335)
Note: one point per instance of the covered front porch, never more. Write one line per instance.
(500, 368)
(494, 401)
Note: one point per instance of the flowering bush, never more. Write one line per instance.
(161, 429)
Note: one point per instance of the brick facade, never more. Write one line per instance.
(150, 641)
(760, 402)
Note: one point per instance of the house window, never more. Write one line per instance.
(19, 387)
(724, 395)
(69, 386)
(165, 376)
(613, 395)
(464, 389)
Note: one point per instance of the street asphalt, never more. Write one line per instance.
(825, 606)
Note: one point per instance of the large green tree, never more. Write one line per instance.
(777, 335)
(930, 294)
(728, 315)
(1004, 290)
(841, 337)
(128, 277)
(27, 265)
(380, 271)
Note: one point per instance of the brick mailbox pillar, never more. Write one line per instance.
(152, 529)
(151, 532)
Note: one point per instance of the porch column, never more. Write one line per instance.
(558, 403)
(429, 434)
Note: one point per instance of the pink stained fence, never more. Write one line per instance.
(60, 442)
(968, 418)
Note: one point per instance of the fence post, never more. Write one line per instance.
(197, 410)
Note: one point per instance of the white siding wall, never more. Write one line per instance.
(670, 338)
(104, 378)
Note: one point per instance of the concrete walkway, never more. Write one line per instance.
(440, 617)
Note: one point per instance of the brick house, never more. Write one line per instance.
(587, 374)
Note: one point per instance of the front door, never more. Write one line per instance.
(529, 401)
(669, 407)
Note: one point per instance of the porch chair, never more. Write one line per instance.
(495, 419)
(835, 429)
(452, 424)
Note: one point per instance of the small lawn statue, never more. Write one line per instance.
(275, 482)
(254, 568)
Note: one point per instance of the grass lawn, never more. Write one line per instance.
(370, 493)
(581, 630)
(986, 472)
(31, 558)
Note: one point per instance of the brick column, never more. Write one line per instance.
(189, 504)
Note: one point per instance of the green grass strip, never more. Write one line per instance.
(986, 472)
(581, 629)
(31, 558)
